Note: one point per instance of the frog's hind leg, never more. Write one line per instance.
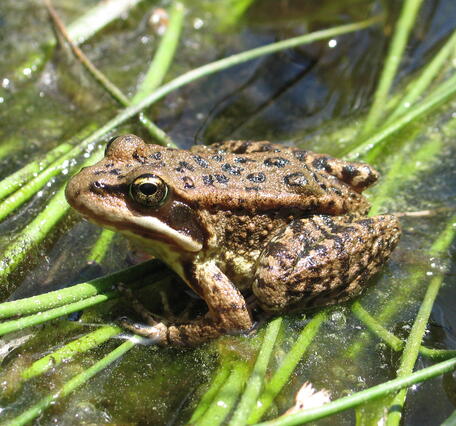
(358, 175)
(322, 260)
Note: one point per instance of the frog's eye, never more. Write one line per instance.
(109, 144)
(149, 190)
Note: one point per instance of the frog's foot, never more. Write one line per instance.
(227, 312)
(137, 306)
(189, 334)
(322, 260)
(157, 332)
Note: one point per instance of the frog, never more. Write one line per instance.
(239, 220)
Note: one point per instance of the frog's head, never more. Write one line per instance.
(130, 191)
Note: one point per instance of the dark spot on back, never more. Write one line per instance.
(221, 178)
(217, 157)
(257, 177)
(252, 188)
(201, 161)
(296, 179)
(188, 182)
(232, 170)
(276, 162)
(115, 172)
(349, 172)
(208, 179)
(139, 158)
(183, 165)
(109, 165)
(243, 160)
(300, 155)
(320, 163)
(156, 156)
(370, 179)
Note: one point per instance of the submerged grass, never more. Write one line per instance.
(72, 384)
(234, 381)
(80, 30)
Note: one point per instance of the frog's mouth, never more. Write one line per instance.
(148, 228)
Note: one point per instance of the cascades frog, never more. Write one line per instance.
(235, 217)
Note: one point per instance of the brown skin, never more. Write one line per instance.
(288, 224)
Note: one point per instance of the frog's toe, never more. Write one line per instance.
(156, 333)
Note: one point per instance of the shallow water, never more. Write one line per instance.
(313, 97)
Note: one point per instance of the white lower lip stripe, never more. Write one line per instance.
(153, 224)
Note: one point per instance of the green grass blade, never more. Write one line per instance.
(78, 346)
(256, 379)
(226, 397)
(364, 396)
(100, 248)
(71, 385)
(75, 293)
(427, 76)
(432, 102)
(412, 347)
(396, 50)
(283, 373)
(32, 169)
(219, 379)
(450, 421)
(164, 55)
(390, 339)
(41, 317)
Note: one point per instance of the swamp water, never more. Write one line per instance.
(314, 96)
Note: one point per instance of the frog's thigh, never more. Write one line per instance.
(322, 260)
(228, 311)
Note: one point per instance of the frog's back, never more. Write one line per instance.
(254, 177)
(258, 181)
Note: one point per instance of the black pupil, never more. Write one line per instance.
(148, 188)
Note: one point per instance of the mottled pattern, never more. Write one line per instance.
(286, 223)
(322, 260)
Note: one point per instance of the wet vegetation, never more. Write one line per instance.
(365, 79)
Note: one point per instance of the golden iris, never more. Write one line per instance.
(149, 190)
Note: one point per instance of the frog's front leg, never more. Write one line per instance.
(228, 312)
(322, 260)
